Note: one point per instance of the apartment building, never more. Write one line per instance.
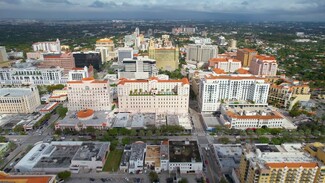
(243, 116)
(138, 68)
(216, 89)
(263, 65)
(286, 92)
(64, 60)
(201, 53)
(106, 48)
(153, 96)
(279, 164)
(32, 75)
(89, 93)
(246, 56)
(19, 100)
(3, 54)
(226, 64)
(48, 46)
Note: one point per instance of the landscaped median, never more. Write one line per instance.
(113, 161)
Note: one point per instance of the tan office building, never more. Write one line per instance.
(166, 57)
(19, 100)
(246, 56)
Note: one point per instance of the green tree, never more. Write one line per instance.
(62, 111)
(153, 176)
(183, 180)
(133, 132)
(263, 139)
(223, 180)
(124, 131)
(19, 128)
(3, 139)
(141, 133)
(125, 140)
(260, 131)
(112, 132)
(64, 175)
(149, 133)
(224, 140)
(90, 130)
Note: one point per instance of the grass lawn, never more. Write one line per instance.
(113, 161)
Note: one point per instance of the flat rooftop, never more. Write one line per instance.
(137, 120)
(184, 151)
(87, 151)
(253, 112)
(137, 151)
(14, 92)
(153, 154)
(71, 119)
(228, 155)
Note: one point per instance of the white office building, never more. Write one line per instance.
(215, 89)
(32, 75)
(123, 53)
(138, 68)
(201, 53)
(78, 73)
(53, 46)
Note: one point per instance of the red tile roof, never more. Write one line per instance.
(292, 165)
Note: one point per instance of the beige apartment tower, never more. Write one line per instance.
(246, 56)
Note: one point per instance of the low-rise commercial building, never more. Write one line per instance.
(152, 160)
(19, 100)
(82, 119)
(184, 156)
(136, 161)
(7, 178)
(243, 115)
(59, 156)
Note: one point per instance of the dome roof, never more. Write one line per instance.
(85, 113)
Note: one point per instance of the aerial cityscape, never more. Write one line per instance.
(162, 92)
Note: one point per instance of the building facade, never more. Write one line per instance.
(263, 65)
(89, 93)
(250, 116)
(246, 56)
(166, 58)
(215, 89)
(106, 48)
(3, 54)
(19, 100)
(201, 53)
(64, 60)
(123, 53)
(226, 64)
(153, 95)
(53, 46)
(285, 92)
(34, 76)
(138, 68)
(79, 73)
(83, 59)
(280, 164)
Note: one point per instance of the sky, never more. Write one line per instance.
(256, 10)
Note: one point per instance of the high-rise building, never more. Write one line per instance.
(64, 60)
(138, 68)
(89, 93)
(19, 100)
(3, 54)
(279, 163)
(201, 53)
(263, 65)
(123, 53)
(166, 57)
(246, 56)
(233, 45)
(222, 41)
(53, 46)
(154, 96)
(226, 64)
(215, 89)
(183, 30)
(106, 49)
(83, 59)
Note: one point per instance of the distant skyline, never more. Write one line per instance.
(257, 10)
